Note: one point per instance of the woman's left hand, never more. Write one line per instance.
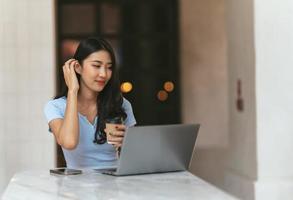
(115, 137)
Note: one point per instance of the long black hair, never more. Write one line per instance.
(109, 101)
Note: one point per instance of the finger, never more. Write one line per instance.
(120, 127)
(65, 72)
(117, 145)
(115, 133)
(69, 61)
(118, 133)
(115, 139)
(113, 143)
(72, 63)
(66, 68)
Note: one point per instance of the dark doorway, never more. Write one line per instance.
(144, 34)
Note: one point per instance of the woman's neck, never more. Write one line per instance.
(87, 103)
(86, 96)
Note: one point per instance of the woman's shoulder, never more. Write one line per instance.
(59, 102)
(130, 119)
(55, 108)
(126, 103)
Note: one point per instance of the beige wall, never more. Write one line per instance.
(26, 74)
(203, 69)
(217, 43)
(242, 167)
(204, 83)
(253, 158)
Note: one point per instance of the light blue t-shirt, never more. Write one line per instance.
(87, 154)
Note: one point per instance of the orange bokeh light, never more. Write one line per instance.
(126, 87)
(169, 86)
(162, 95)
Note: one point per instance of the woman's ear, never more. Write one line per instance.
(77, 68)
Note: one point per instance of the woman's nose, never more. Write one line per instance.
(103, 72)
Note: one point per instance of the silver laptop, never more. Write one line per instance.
(155, 149)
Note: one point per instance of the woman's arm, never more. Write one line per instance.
(66, 130)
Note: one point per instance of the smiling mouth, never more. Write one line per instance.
(101, 82)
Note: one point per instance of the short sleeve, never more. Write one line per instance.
(54, 110)
(130, 119)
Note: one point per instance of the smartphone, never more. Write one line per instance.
(65, 171)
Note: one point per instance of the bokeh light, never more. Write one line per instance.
(162, 95)
(126, 87)
(169, 86)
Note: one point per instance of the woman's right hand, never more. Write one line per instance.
(70, 76)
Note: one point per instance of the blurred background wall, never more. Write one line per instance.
(27, 81)
(234, 77)
(204, 83)
(252, 50)
(241, 168)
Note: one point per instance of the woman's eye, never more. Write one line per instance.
(99, 66)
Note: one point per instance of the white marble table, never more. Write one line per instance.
(90, 185)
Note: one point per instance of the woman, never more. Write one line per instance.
(77, 116)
